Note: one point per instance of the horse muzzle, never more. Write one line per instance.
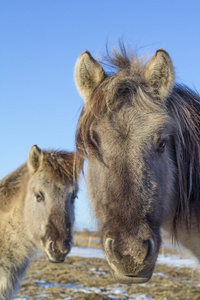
(57, 253)
(129, 268)
(128, 279)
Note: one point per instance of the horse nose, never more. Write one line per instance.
(117, 256)
(66, 247)
(150, 249)
(60, 247)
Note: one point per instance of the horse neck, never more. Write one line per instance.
(13, 188)
(15, 247)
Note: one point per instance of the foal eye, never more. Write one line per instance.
(39, 197)
(161, 146)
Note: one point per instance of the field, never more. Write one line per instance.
(88, 277)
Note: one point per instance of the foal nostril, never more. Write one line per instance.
(63, 248)
(66, 249)
(151, 248)
(51, 246)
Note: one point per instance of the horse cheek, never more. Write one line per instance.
(33, 220)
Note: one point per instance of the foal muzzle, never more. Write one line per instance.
(57, 253)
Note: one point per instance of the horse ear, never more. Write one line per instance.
(35, 158)
(88, 73)
(159, 73)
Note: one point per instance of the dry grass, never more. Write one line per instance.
(89, 278)
(86, 239)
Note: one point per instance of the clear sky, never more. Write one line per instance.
(39, 44)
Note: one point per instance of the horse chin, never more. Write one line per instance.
(128, 279)
(56, 261)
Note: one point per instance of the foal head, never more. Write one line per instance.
(124, 131)
(49, 202)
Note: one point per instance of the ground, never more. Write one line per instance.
(82, 278)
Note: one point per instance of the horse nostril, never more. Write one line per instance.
(66, 248)
(151, 248)
(109, 249)
(51, 246)
(109, 243)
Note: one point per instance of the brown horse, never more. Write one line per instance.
(141, 136)
(36, 211)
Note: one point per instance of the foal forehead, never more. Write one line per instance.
(47, 180)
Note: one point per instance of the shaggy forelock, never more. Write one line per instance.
(60, 165)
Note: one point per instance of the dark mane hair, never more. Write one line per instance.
(183, 106)
(122, 59)
(60, 165)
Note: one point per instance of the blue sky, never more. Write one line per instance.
(39, 44)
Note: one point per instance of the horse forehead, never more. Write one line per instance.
(48, 182)
(133, 124)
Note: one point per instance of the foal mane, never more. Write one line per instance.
(183, 106)
(11, 184)
(60, 165)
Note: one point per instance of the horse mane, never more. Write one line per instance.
(60, 165)
(183, 105)
(124, 59)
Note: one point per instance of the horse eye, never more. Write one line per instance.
(95, 139)
(39, 197)
(161, 147)
(74, 196)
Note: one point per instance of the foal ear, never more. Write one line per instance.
(88, 73)
(35, 158)
(159, 73)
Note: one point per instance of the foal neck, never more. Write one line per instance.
(13, 189)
